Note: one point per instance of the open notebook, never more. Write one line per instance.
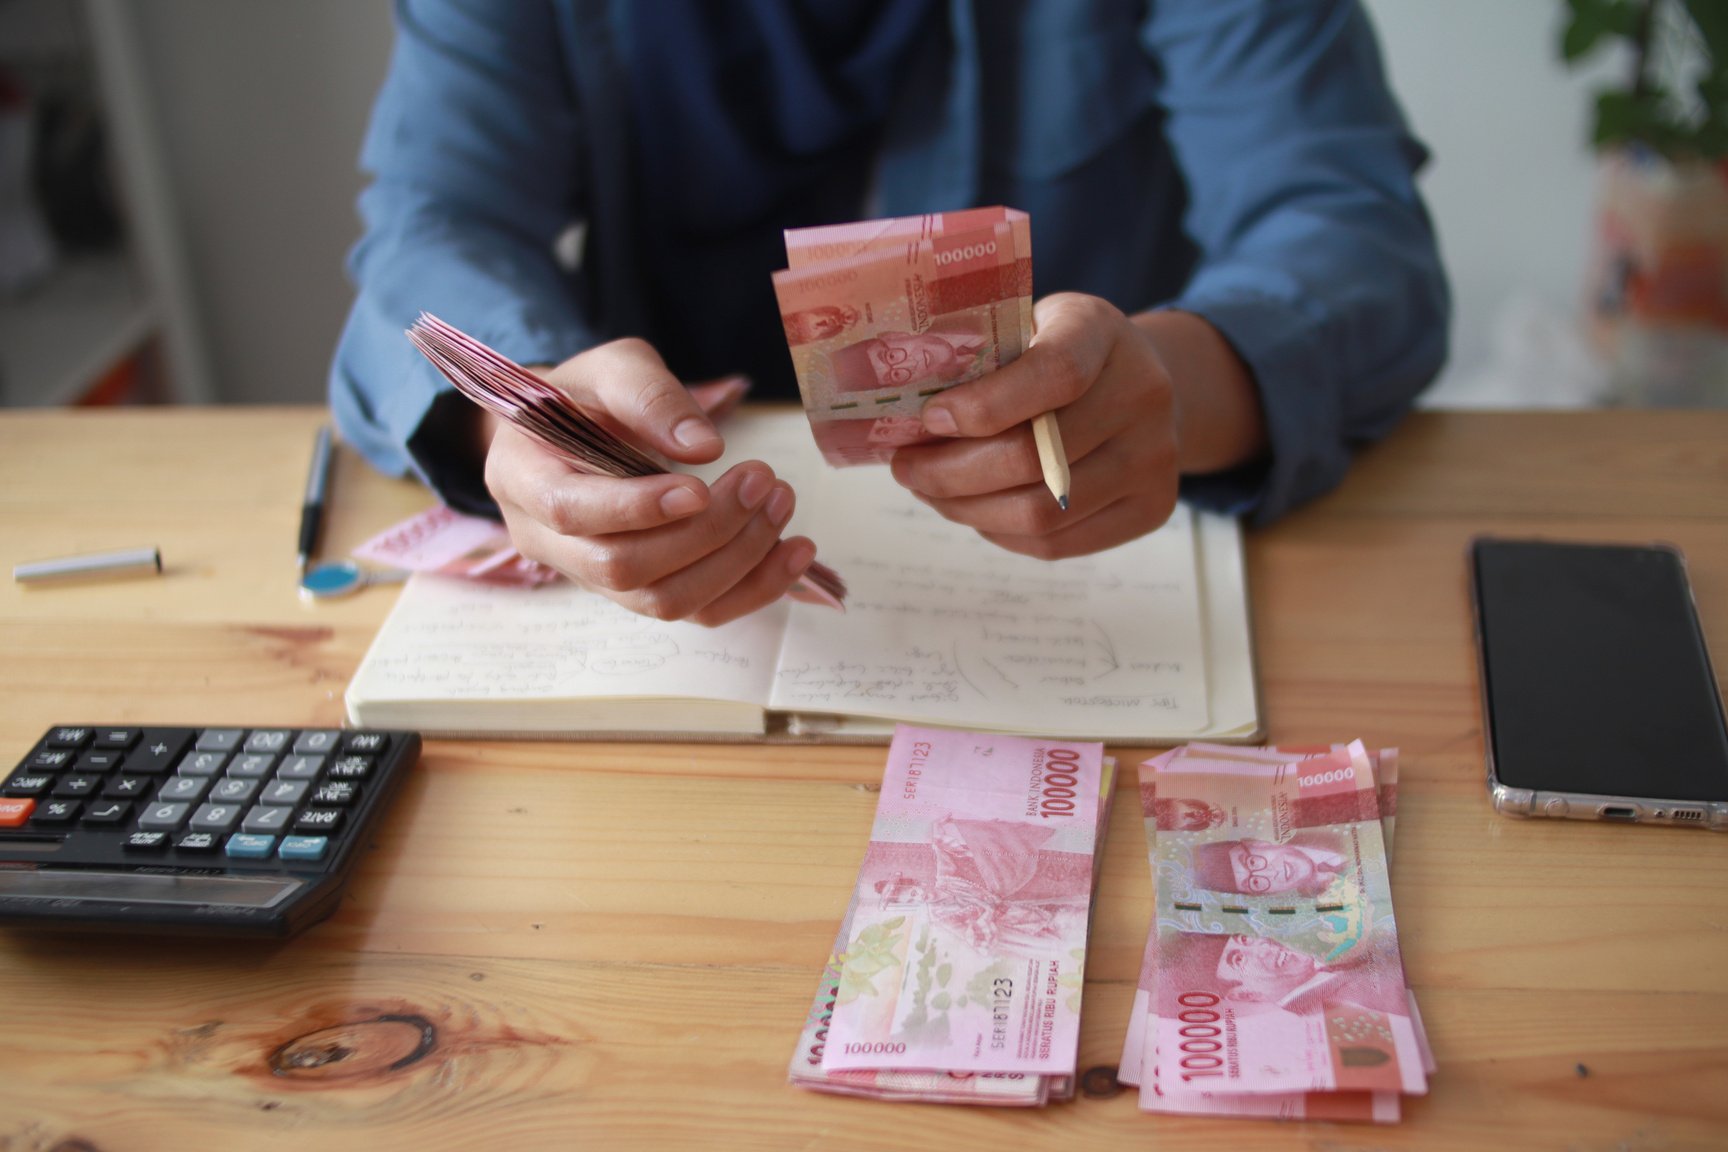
(1146, 643)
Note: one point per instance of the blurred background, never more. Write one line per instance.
(178, 180)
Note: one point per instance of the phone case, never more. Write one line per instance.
(1513, 801)
(1711, 814)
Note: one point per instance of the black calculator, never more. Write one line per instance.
(235, 831)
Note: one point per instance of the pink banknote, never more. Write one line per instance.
(1362, 1107)
(1385, 763)
(883, 314)
(451, 544)
(1002, 1089)
(549, 415)
(968, 940)
(829, 242)
(827, 245)
(1278, 967)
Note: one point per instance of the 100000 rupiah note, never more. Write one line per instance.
(883, 314)
(1278, 967)
(452, 544)
(1001, 1089)
(967, 944)
(1381, 1107)
(548, 415)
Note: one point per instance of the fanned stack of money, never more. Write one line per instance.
(1273, 985)
(883, 314)
(510, 391)
(957, 972)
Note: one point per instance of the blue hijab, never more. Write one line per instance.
(749, 117)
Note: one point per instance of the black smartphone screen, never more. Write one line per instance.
(1596, 676)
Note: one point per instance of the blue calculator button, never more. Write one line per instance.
(303, 847)
(246, 846)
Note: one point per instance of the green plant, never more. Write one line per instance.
(1652, 110)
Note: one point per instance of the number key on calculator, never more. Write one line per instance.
(240, 831)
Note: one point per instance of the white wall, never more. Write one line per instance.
(1510, 184)
(263, 106)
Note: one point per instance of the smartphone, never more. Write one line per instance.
(1598, 697)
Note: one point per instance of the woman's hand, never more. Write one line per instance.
(666, 546)
(1139, 401)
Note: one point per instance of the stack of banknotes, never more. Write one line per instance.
(514, 394)
(957, 973)
(451, 543)
(1272, 984)
(883, 314)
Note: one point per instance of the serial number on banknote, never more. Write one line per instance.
(920, 757)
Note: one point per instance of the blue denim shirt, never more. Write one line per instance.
(1243, 160)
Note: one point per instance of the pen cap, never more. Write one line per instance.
(93, 566)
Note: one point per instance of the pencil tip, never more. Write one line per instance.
(1063, 500)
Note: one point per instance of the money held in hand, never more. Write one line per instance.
(511, 392)
(881, 315)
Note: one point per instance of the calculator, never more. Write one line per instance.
(233, 831)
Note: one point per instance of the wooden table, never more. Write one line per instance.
(617, 944)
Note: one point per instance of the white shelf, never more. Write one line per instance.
(62, 337)
(59, 340)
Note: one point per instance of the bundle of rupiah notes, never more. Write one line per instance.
(880, 315)
(957, 973)
(1273, 984)
(516, 395)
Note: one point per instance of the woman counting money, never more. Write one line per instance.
(1239, 281)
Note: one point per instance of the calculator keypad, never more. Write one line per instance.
(247, 795)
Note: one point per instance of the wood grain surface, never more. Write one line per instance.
(597, 946)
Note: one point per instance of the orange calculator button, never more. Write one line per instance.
(13, 813)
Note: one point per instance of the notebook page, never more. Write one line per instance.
(450, 639)
(944, 627)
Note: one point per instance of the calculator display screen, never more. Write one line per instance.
(147, 888)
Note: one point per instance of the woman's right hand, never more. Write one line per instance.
(666, 546)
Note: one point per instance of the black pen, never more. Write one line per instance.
(312, 511)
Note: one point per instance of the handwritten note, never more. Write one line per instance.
(941, 627)
(450, 638)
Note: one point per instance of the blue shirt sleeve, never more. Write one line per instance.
(472, 150)
(1319, 263)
